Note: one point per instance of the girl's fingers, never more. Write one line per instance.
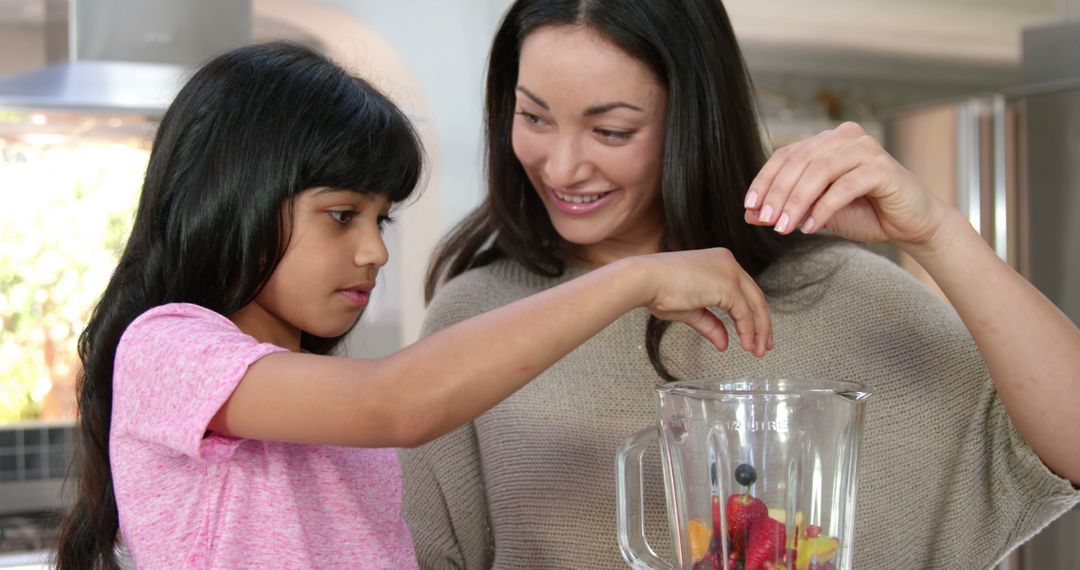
(743, 318)
(729, 289)
(815, 181)
(750, 314)
(762, 318)
(708, 326)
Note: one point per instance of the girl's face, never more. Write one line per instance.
(589, 133)
(324, 280)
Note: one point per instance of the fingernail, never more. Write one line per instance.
(808, 226)
(766, 213)
(781, 225)
(751, 200)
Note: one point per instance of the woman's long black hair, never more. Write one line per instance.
(249, 130)
(712, 148)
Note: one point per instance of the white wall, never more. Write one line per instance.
(430, 57)
(445, 44)
(1069, 9)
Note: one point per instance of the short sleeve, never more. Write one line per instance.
(175, 366)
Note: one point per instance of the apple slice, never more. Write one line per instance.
(819, 549)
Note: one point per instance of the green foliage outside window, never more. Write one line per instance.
(65, 212)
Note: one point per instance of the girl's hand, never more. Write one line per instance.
(681, 283)
(844, 181)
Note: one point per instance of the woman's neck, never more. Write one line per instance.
(608, 251)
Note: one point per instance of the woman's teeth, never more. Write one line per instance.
(580, 199)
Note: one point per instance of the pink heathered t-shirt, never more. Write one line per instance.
(192, 499)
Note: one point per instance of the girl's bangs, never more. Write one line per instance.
(374, 149)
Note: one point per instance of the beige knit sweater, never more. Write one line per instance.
(945, 480)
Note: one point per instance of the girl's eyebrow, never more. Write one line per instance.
(594, 110)
(331, 190)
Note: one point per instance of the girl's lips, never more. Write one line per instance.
(356, 297)
(579, 208)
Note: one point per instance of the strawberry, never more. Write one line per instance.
(716, 514)
(766, 542)
(742, 511)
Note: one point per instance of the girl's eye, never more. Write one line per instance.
(384, 221)
(342, 217)
(614, 136)
(531, 118)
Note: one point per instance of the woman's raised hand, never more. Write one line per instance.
(683, 282)
(844, 181)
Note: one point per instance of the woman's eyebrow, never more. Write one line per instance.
(601, 109)
(535, 99)
(594, 110)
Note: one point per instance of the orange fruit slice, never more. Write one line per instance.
(699, 533)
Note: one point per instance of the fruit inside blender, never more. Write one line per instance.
(757, 535)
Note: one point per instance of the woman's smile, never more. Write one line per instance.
(579, 203)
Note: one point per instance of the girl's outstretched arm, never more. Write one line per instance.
(449, 378)
(844, 181)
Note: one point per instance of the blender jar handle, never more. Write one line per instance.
(631, 502)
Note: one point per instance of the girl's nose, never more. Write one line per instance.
(566, 164)
(371, 250)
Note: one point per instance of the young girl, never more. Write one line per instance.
(621, 128)
(217, 433)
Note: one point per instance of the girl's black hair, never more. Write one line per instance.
(712, 150)
(249, 130)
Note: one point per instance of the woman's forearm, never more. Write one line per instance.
(1031, 348)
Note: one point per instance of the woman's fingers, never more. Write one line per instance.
(795, 177)
(818, 185)
(778, 200)
(759, 187)
(841, 193)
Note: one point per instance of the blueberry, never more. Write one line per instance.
(745, 474)
(705, 564)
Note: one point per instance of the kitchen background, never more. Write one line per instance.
(961, 90)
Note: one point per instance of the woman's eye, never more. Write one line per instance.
(531, 118)
(342, 217)
(384, 221)
(614, 136)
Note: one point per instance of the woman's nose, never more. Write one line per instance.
(566, 164)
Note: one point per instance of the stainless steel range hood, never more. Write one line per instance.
(125, 56)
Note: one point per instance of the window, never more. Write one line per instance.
(69, 186)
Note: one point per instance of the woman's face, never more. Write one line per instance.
(589, 132)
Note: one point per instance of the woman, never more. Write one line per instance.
(619, 128)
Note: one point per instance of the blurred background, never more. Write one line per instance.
(981, 98)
